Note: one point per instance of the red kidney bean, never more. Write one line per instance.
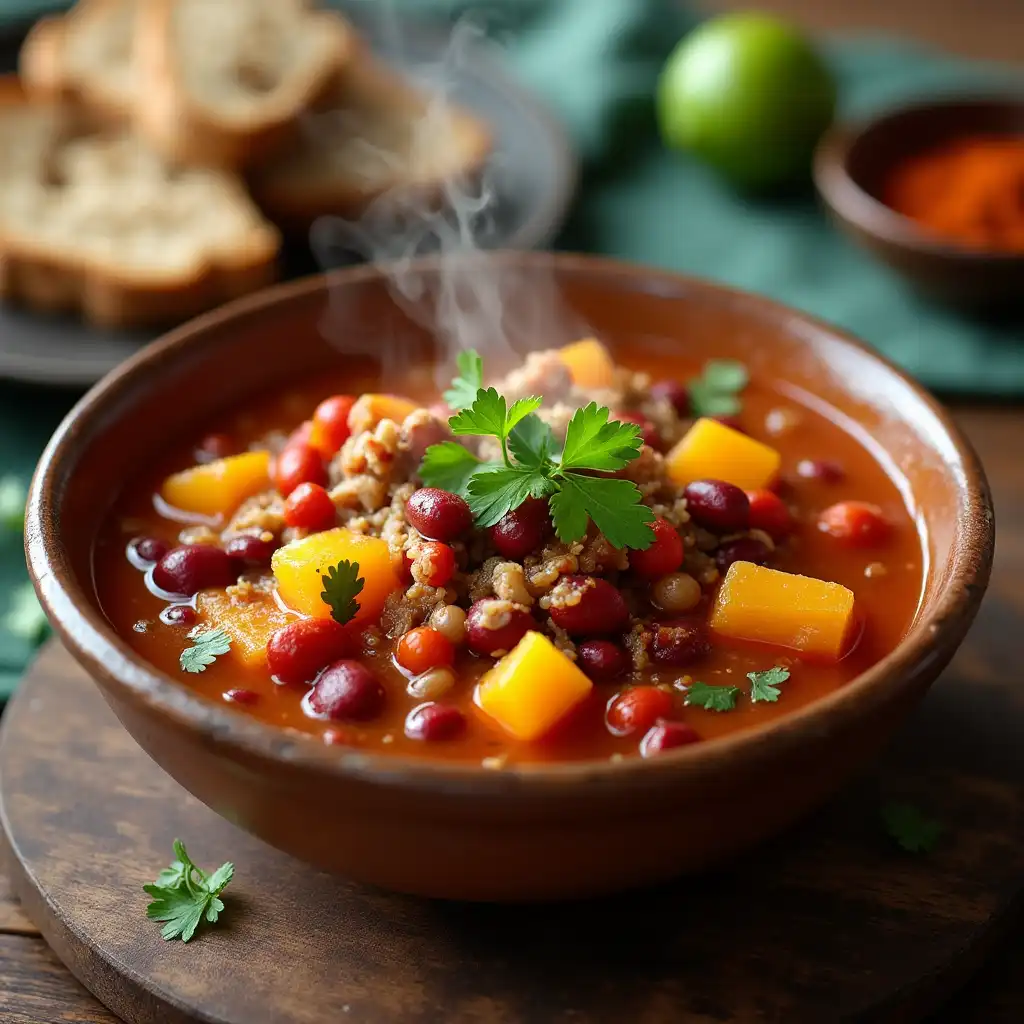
(298, 463)
(675, 392)
(492, 627)
(522, 530)
(309, 507)
(770, 513)
(215, 446)
(743, 549)
(178, 615)
(824, 471)
(193, 567)
(437, 514)
(347, 691)
(679, 642)
(588, 606)
(296, 652)
(855, 523)
(665, 554)
(602, 660)
(665, 736)
(248, 549)
(650, 435)
(142, 552)
(637, 709)
(433, 722)
(241, 696)
(718, 506)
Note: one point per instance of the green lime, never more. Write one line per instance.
(749, 95)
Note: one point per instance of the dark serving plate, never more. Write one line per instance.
(532, 170)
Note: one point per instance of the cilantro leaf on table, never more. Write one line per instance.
(469, 381)
(207, 646)
(449, 466)
(12, 504)
(592, 442)
(711, 698)
(342, 584)
(615, 506)
(909, 828)
(764, 686)
(183, 895)
(25, 617)
(716, 391)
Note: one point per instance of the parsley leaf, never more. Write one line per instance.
(591, 442)
(712, 698)
(615, 506)
(491, 494)
(208, 645)
(183, 895)
(909, 828)
(765, 685)
(716, 391)
(485, 416)
(342, 583)
(25, 617)
(449, 466)
(470, 380)
(532, 442)
(12, 503)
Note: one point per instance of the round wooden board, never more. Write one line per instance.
(829, 923)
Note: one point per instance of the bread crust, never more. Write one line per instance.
(294, 202)
(34, 274)
(186, 132)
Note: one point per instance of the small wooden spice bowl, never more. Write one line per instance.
(851, 165)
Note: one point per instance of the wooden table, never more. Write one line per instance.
(36, 989)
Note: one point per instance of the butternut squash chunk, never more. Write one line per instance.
(712, 451)
(532, 688)
(249, 624)
(219, 487)
(781, 608)
(300, 565)
(590, 363)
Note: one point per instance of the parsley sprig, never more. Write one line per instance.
(183, 895)
(712, 698)
(716, 391)
(909, 828)
(764, 686)
(342, 584)
(534, 465)
(464, 387)
(207, 646)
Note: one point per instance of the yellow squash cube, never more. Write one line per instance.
(781, 608)
(300, 565)
(532, 688)
(250, 624)
(369, 409)
(712, 451)
(590, 363)
(217, 488)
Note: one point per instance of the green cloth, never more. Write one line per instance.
(596, 62)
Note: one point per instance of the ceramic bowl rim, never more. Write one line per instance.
(93, 642)
(841, 191)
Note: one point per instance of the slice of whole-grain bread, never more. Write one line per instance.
(223, 82)
(85, 56)
(93, 221)
(376, 135)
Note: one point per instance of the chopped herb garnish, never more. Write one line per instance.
(183, 895)
(12, 504)
(25, 617)
(470, 379)
(342, 584)
(534, 465)
(712, 698)
(207, 646)
(765, 685)
(716, 391)
(909, 828)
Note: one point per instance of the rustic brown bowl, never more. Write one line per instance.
(460, 831)
(850, 166)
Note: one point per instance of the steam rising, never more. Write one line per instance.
(475, 301)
